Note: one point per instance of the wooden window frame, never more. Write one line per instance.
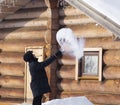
(95, 53)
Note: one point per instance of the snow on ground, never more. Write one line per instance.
(68, 101)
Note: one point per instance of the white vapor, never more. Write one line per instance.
(69, 43)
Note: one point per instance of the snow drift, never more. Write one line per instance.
(68, 101)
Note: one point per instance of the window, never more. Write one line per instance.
(90, 66)
(39, 52)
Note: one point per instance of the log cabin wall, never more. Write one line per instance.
(29, 26)
(106, 92)
(34, 25)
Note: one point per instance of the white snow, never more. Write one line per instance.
(81, 100)
(109, 8)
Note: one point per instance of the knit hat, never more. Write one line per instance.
(28, 56)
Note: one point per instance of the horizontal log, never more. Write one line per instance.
(23, 29)
(66, 72)
(11, 57)
(19, 45)
(106, 99)
(10, 9)
(11, 82)
(6, 11)
(11, 101)
(111, 72)
(42, 13)
(36, 4)
(22, 35)
(108, 86)
(67, 60)
(11, 92)
(96, 98)
(112, 57)
(90, 31)
(105, 43)
(30, 14)
(71, 11)
(22, 2)
(3, 15)
(23, 23)
(75, 21)
(13, 69)
(29, 28)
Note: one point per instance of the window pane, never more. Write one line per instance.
(91, 65)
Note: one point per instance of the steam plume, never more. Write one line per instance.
(69, 43)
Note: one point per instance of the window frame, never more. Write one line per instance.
(80, 65)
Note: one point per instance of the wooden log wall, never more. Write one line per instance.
(29, 26)
(106, 92)
(33, 25)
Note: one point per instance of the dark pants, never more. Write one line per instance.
(37, 100)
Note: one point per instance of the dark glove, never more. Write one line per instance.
(58, 54)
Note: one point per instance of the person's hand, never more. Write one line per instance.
(58, 54)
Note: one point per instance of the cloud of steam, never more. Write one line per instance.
(69, 43)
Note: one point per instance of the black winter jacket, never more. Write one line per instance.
(39, 81)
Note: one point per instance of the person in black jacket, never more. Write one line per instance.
(39, 81)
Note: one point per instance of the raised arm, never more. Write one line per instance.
(52, 58)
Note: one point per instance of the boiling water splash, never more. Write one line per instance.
(69, 43)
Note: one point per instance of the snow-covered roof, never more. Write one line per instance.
(109, 8)
(105, 12)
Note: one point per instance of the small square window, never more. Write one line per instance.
(90, 65)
